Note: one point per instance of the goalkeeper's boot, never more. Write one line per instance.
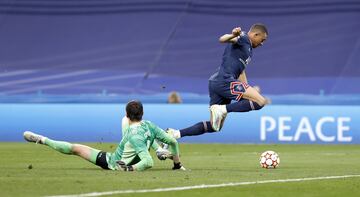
(217, 116)
(32, 137)
(173, 132)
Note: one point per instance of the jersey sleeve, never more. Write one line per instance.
(155, 146)
(162, 136)
(124, 125)
(241, 39)
(139, 144)
(145, 162)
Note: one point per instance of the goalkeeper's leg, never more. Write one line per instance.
(80, 150)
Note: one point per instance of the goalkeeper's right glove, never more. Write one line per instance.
(122, 166)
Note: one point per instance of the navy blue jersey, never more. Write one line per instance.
(235, 58)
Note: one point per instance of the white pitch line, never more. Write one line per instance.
(206, 186)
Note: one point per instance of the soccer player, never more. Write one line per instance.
(229, 83)
(161, 153)
(132, 153)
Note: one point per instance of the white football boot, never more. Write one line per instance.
(32, 137)
(217, 116)
(174, 132)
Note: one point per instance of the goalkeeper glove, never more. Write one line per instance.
(122, 166)
(178, 166)
(163, 154)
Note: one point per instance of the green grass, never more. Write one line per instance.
(53, 173)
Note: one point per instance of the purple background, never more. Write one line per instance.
(58, 47)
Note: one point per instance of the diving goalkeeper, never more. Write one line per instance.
(132, 153)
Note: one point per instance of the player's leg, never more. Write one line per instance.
(236, 91)
(196, 129)
(85, 152)
(253, 94)
(246, 104)
(200, 127)
(220, 96)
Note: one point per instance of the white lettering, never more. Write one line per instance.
(264, 128)
(341, 128)
(285, 125)
(283, 128)
(318, 129)
(304, 127)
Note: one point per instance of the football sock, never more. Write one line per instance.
(63, 147)
(197, 129)
(243, 106)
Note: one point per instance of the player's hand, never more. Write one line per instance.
(122, 166)
(163, 154)
(236, 31)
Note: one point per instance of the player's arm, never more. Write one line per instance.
(242, 77)
(166, 138)
(173, 147)
(146, 161)
(124, 125)
(231, 38)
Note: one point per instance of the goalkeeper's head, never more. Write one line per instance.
(134, 111)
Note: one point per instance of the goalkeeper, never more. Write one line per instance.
(132, 153)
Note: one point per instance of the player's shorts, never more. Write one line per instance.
(101, 160)
(222, 92)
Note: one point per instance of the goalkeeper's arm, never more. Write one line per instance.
(173, 147)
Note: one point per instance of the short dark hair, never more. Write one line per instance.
(259, 27)
(134, 110)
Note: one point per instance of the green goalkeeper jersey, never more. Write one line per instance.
(134, 146)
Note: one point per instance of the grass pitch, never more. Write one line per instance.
(28, 169)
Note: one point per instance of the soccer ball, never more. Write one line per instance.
(269, 159)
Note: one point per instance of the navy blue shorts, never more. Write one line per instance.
(101, 160)
(222, 92)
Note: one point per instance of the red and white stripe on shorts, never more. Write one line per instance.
(235, 89)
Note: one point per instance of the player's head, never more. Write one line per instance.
(134, 110)
(258, 34)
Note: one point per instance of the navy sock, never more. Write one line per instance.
(243, 106)
(197, 129)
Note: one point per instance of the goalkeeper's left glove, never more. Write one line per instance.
(122, 166)
(163, 154)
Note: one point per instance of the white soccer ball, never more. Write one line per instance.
(269, 159)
